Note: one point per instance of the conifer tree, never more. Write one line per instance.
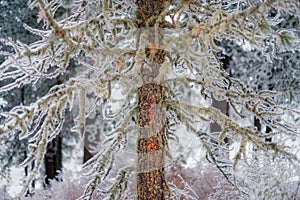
(158, 52)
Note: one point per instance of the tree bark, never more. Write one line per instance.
(53, 160)
(151, 142)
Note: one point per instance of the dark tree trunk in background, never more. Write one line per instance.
(26, 170)
(31, 167)
(223, 106)
(257, 124)
(91, 138)
(53, 160)
(268, 130)
(86, 154)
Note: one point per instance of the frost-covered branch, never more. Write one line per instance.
(248, 133)
(43, 120)
(100, 165)
(261, 104)
(173, 50)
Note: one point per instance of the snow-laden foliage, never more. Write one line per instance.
(119, 47)
(276, 68)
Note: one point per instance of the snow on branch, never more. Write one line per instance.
(250, 24)
(114, 45)
(100, 165)
(42, 59)
(40, 122)
(217, 150)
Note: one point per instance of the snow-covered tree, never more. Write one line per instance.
(13, 151)
(153, 68)
(10, 27)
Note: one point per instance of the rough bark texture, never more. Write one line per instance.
(151, 142)
(147, 9)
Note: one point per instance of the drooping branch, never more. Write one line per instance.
(100, 165)
(248, 133)
(259, 103)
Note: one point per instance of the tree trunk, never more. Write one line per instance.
(86, 154)
(91, 138)
(30, 191)
(223, 107)
(53, 160)
(151, 142)
(257, 124)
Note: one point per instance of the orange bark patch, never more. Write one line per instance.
(151, 114)
(151, 145)
(151, 98)
(153, 49)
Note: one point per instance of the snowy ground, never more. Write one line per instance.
(14, 185)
